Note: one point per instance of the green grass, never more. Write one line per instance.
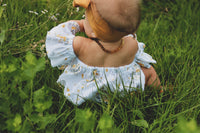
(31, 100)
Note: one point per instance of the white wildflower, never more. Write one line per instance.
(43, 12)
(77, 9)
(83, 16)
(31, 11)
(42, 47)
(4, 5)
(53, 18)
(35, 13)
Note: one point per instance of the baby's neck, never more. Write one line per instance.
(115, 46)
(105, 43)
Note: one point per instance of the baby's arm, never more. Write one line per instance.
(59, 43)
(151, 77)
(144, 60)
(80, 23)
(78, 40)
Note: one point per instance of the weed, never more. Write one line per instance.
(31, 100)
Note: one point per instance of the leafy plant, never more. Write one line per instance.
(24, 108)
(31, 100)
(185, 126)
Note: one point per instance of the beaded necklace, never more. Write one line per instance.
(106, 50)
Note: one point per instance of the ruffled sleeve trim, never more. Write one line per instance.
(142, 58)
(59, 44)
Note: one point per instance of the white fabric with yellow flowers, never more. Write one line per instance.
(82, 82)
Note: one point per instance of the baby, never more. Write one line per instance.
(110, 56)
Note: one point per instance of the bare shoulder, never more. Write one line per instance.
(132, 44)
(80, 43)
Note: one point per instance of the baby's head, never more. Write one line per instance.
(110, 20)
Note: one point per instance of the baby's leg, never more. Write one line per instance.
(151, 77)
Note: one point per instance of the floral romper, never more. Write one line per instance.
(82, 82)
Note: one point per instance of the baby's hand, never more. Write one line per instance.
(80, 23)
(85, 27)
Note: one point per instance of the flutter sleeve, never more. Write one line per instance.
(142, 58)
(59, 44)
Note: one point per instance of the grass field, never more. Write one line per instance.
(31, 100)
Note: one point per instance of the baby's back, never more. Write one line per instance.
(93, 55)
